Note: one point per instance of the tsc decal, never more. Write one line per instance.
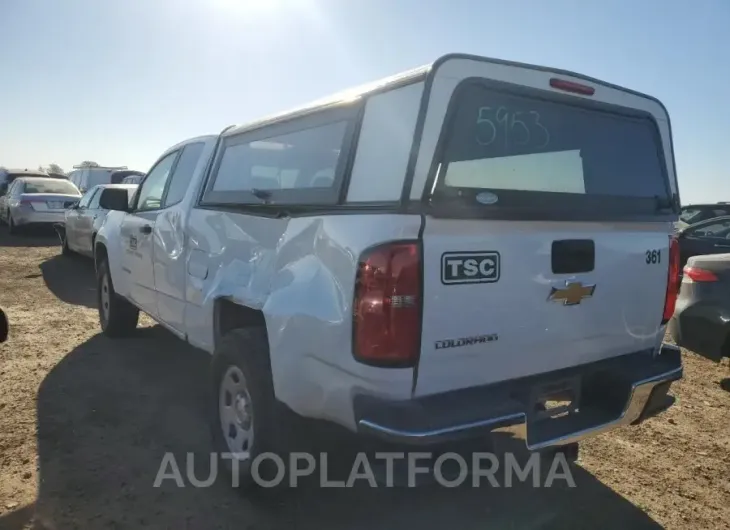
(470, 267)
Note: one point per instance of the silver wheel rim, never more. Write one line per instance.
(105, 297)
(235, 412)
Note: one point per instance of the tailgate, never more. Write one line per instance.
(547, 226)
(495, 308)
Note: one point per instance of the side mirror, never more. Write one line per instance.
(3, 326)
(114, 199)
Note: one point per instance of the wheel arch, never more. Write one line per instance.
(229, 315)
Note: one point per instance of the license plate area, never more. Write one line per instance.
(555, 399)
(55, 205)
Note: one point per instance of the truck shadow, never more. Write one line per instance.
(71, 279)
(110, 410)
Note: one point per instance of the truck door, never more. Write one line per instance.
(137, 235)
(169, 239)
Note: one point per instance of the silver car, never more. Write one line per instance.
(83, 220)
(36, 201)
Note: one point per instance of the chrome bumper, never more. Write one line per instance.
(645, 395)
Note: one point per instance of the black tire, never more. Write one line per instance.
(247, 350)
(65, 249)
(571, 453)
(12, 228)
(117, 316)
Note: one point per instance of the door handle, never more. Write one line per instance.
(145, 229)
(720, 245)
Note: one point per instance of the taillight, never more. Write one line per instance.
(570, 86)
(670, 301)
(387, 306)
(699, 275)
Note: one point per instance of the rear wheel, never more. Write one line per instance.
(12, 228)
(65, 249)
(246, 420)
(117, 316)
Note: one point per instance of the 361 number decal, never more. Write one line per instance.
(653, 256)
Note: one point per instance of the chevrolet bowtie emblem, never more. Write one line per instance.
(572, 293)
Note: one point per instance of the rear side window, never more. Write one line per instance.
(184, 170)
(302, 159)
(299, 162)
(717, 229)
(533, 152)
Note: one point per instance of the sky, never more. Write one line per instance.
(120, 81)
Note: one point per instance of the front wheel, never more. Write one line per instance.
(117, 316)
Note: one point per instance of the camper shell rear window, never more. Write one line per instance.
(523, 150)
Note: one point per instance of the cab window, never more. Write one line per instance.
(183, 173)
(86, 199)
(94, 202)
(153, 187)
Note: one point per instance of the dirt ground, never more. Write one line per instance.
(85, 422)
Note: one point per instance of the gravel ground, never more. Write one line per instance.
(85, 422)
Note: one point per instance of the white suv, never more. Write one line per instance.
(430, 257)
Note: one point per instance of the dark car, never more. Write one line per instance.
(701, 320)
(117, 177)
(707, 237)
(3, 326)
(8, 176)
(695, 213)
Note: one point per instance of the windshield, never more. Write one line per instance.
(688, 214)
(50, 186)
(527, 150)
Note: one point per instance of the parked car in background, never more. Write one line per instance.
(380, 320)
(36, 201)
(86, 178)
(707, 237)
(82, 220)
(701, 322)
(133, 179)
(695, 213)
(7, 176)
(4, 326)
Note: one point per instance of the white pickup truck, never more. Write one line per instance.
(431, 257)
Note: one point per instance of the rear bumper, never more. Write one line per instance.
(615, 392)
(27, 216)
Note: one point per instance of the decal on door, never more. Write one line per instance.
(469, 267)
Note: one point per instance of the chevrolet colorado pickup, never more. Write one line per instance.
(428, 258)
